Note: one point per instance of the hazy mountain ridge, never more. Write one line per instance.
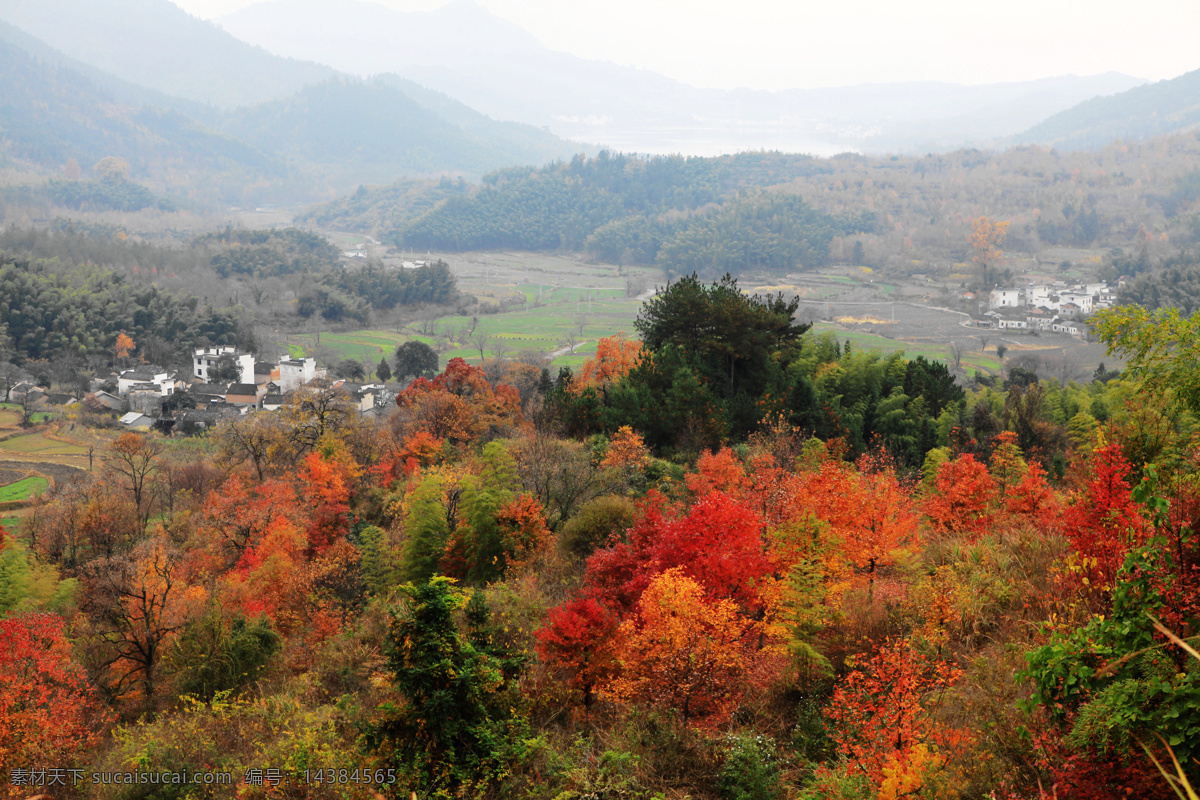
(122, 91)
(500, 69)
(52, 114)
(375, 132)
(1169, 106)
(156, 44)
(341, 131)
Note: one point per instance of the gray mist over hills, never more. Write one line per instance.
(300, 100)
(503, 71)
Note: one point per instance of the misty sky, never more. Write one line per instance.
(779, 44)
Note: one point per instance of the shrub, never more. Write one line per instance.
(596, 522)
(751, 769)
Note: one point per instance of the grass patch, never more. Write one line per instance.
(369, 344)
(22, 489)
(10, 415)
(39, 444)
(543, 329)
(971, 360)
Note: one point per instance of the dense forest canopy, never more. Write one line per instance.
(776, 611)
(54, 316)
(771, 212)
(71, 288)
(672, 210)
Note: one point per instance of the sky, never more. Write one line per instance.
(782, 44)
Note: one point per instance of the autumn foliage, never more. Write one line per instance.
(683, 651)
(462, 596)
(615, 357)
(48, 710)
(459, 405)
(883, 718)
(962, 497)
(1104, 521)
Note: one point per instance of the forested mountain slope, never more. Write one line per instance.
(1169, 106)
(53, 114)
(156, 44)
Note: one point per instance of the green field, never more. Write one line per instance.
(10, 415)
(40, 445)
(972, 360)
(22, 489)
(543, 329)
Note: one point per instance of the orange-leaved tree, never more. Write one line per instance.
(684, 652)
(326, 482)
(882, 717)
(720, 471)
(137, 603)
(615, 357)
(123, 347)
(985, 238)
(868, 509)
(459, 405)
(627, 452)
(963, 493)
(238, 515)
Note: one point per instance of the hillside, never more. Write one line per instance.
(156, 44)
(895, 213)
(121, 91)
(325, 139)
(1169, 106)
(52, 114)
(374, 132)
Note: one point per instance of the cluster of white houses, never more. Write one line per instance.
(142, 390)
(1053, 307)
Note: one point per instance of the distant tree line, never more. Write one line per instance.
(268, 253)
(51, 316)
(105, 196)
(1175, 285)
(561, 206)
(351, 294)
(761, 231)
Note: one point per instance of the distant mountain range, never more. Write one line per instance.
(156, 44)
(202, 113)
(500, 69)
(308, 133)
(51, 114)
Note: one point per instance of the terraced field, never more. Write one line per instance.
(23, 489)
(39, 444)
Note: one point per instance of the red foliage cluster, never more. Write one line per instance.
(48, 711)
(460, 404)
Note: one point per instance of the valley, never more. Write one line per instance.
(437, 401)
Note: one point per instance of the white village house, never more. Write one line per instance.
(205, 358)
